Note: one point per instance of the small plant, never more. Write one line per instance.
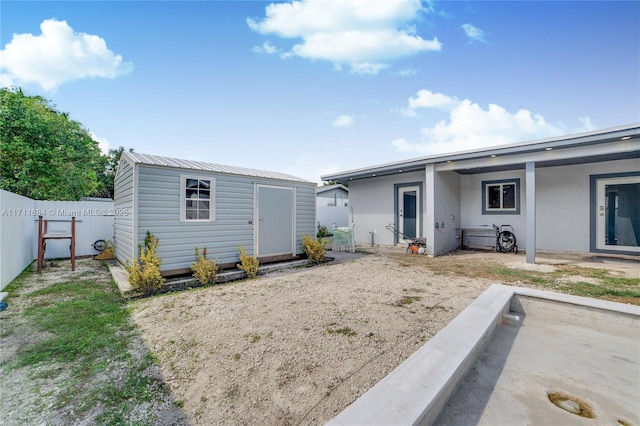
(322, 232)
(314, 249)
(249, 264)
(204, 270)
(144, 273)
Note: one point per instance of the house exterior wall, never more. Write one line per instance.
(446, 208)
(562, 203)
(333, 197)
(563, 211)
(471, 203)
(124, 224)
(371, 204)
(157, 209)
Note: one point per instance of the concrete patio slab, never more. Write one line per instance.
(499, 360)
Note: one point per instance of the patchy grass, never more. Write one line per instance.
(252, 337)
(406, 300)
(346, 331)
(81, 354)
(589, 282)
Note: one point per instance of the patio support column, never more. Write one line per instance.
(429, 209)
(530, 184)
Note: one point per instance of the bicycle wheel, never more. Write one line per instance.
(506, 241)
(100, 245)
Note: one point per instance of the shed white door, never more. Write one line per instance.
(276, 224)
(618, 215)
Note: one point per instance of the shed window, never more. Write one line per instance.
(197, 199)
(501, 197)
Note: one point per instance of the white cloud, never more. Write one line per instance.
(363, 34)
(103, 143)
(406, 72)
(469, 126)
(266, 47)
(57, 55)
(427, 99)
(473, 33)
(343, 121)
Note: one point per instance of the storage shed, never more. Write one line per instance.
(187, 204)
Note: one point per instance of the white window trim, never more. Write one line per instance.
(501, 210)
(183, 198)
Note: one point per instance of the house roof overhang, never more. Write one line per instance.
(604, 145)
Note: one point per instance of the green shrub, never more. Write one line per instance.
(204, 270)
(313, 248)
(248, 264)
(322, 232)
(144, 273)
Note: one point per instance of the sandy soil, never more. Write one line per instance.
(296, 348)
(293, 347)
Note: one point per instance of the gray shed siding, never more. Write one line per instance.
(125, 220)
(158, 211)
(305, 213)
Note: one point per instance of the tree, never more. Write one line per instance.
(106, 172)
(43, 154)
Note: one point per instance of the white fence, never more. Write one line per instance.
(332, 215)
(19, 230)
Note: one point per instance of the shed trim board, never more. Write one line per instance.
(557, 190)
(156, 193)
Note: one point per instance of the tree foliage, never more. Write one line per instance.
(45, 155)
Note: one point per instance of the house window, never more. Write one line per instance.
(197, 199)
(501, 196)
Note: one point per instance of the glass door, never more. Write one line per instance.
(408, 203)
(618, 214)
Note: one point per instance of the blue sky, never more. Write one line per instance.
(315, 87)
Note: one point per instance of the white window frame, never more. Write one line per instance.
(486, 185)
(183, 198)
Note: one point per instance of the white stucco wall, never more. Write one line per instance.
(562, 203)
(446, 211)
(371, 204)
(471, 203)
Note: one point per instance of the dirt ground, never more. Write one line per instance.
(290, 347)
(299, 347)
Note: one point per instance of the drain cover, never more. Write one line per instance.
(571, 404)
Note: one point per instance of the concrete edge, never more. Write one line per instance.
(417, 390)
(581, 301)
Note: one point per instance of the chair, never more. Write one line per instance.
(343, 239)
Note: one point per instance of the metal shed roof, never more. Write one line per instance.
(156, 160)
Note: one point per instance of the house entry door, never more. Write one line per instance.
(618, 214)
(275, 221)
(408, 209)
